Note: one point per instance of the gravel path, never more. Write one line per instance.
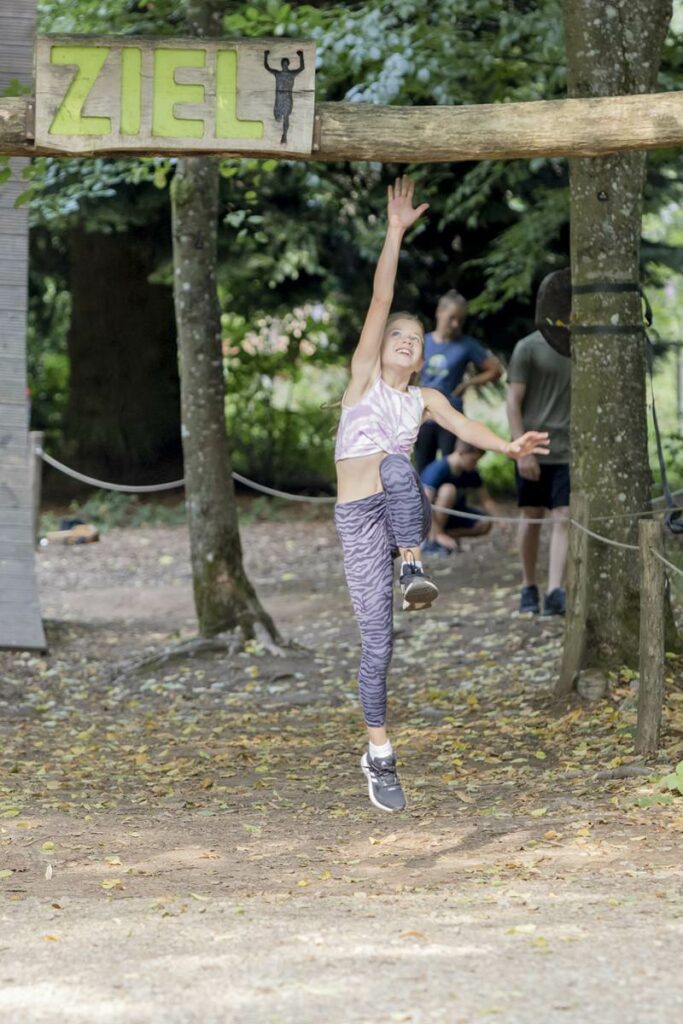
(189, 840)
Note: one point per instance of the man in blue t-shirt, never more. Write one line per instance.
(447, 354)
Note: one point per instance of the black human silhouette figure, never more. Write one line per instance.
(284, 85)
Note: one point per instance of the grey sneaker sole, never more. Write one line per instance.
(371, 793)
(420, 594)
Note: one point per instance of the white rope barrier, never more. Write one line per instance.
(670, 565)
(490, 519)
(273, 492)
(152, 488)
(280, 494)
(124, 488)
(632, 515)
(605, 540)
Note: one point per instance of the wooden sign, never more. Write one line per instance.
(96, 93)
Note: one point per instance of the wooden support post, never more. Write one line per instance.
(35, 464)
(577, 580)
(651, 691)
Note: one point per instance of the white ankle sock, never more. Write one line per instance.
(385, 750)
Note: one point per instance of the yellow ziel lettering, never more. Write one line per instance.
(167, 92)
(89, 61)
(228, 125)
(131, 90)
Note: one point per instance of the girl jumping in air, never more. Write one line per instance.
(381, 508)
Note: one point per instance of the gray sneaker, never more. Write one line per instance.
(419, 591)
(384, 788)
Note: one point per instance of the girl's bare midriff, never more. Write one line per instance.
(359, 478)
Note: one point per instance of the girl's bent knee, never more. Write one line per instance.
(394, 469)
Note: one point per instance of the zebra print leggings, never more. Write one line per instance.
(371, 530)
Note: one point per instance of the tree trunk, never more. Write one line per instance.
(123, 413)
(224, 597)
(611, 49)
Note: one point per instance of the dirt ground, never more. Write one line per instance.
(190, 840)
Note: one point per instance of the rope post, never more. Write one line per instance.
(35, 475)
(577, 596)
(652, 591)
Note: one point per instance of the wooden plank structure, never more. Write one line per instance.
(652, 650)
(170, 95)
(20, 621)
(363, 131)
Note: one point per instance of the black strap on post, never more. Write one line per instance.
(607, 329)
(674, 517)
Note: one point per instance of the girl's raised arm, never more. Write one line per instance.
(437, 407)
(400, 216)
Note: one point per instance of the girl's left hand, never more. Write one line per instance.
(400, 212)
(533, 442)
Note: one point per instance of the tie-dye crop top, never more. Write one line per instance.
(385, 420)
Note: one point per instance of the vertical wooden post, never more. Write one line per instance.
(35, 472)
(577, 581)
(651, 691)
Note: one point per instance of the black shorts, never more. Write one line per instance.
(458, 522)
(432, 439)
(551, 491)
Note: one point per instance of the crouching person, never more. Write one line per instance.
(450, 483)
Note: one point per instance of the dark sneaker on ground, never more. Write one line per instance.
(384, 788)
(443, 552)
(418, 589)
(529, 602)
(555, 603)
(432, 549)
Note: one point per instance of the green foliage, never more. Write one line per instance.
(135, 17)
(48, 362)
(511, 269)
(495, 226)
(274, 510)
(498, 473)
(277, 386)
(109, 509)
(672, 448)
(98, 194)
(674, 781)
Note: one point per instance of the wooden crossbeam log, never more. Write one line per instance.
(361, 131)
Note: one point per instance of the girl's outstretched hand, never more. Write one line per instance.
(400, 210)
(531, 443)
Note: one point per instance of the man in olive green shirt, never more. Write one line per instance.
(538, 398)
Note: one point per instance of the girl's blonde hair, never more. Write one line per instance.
(391, 320)
(402, 315)
(393, 317)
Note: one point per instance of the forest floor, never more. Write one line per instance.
(190, 840)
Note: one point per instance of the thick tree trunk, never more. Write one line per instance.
(224, 597)
(123, 414)
(611, 49)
